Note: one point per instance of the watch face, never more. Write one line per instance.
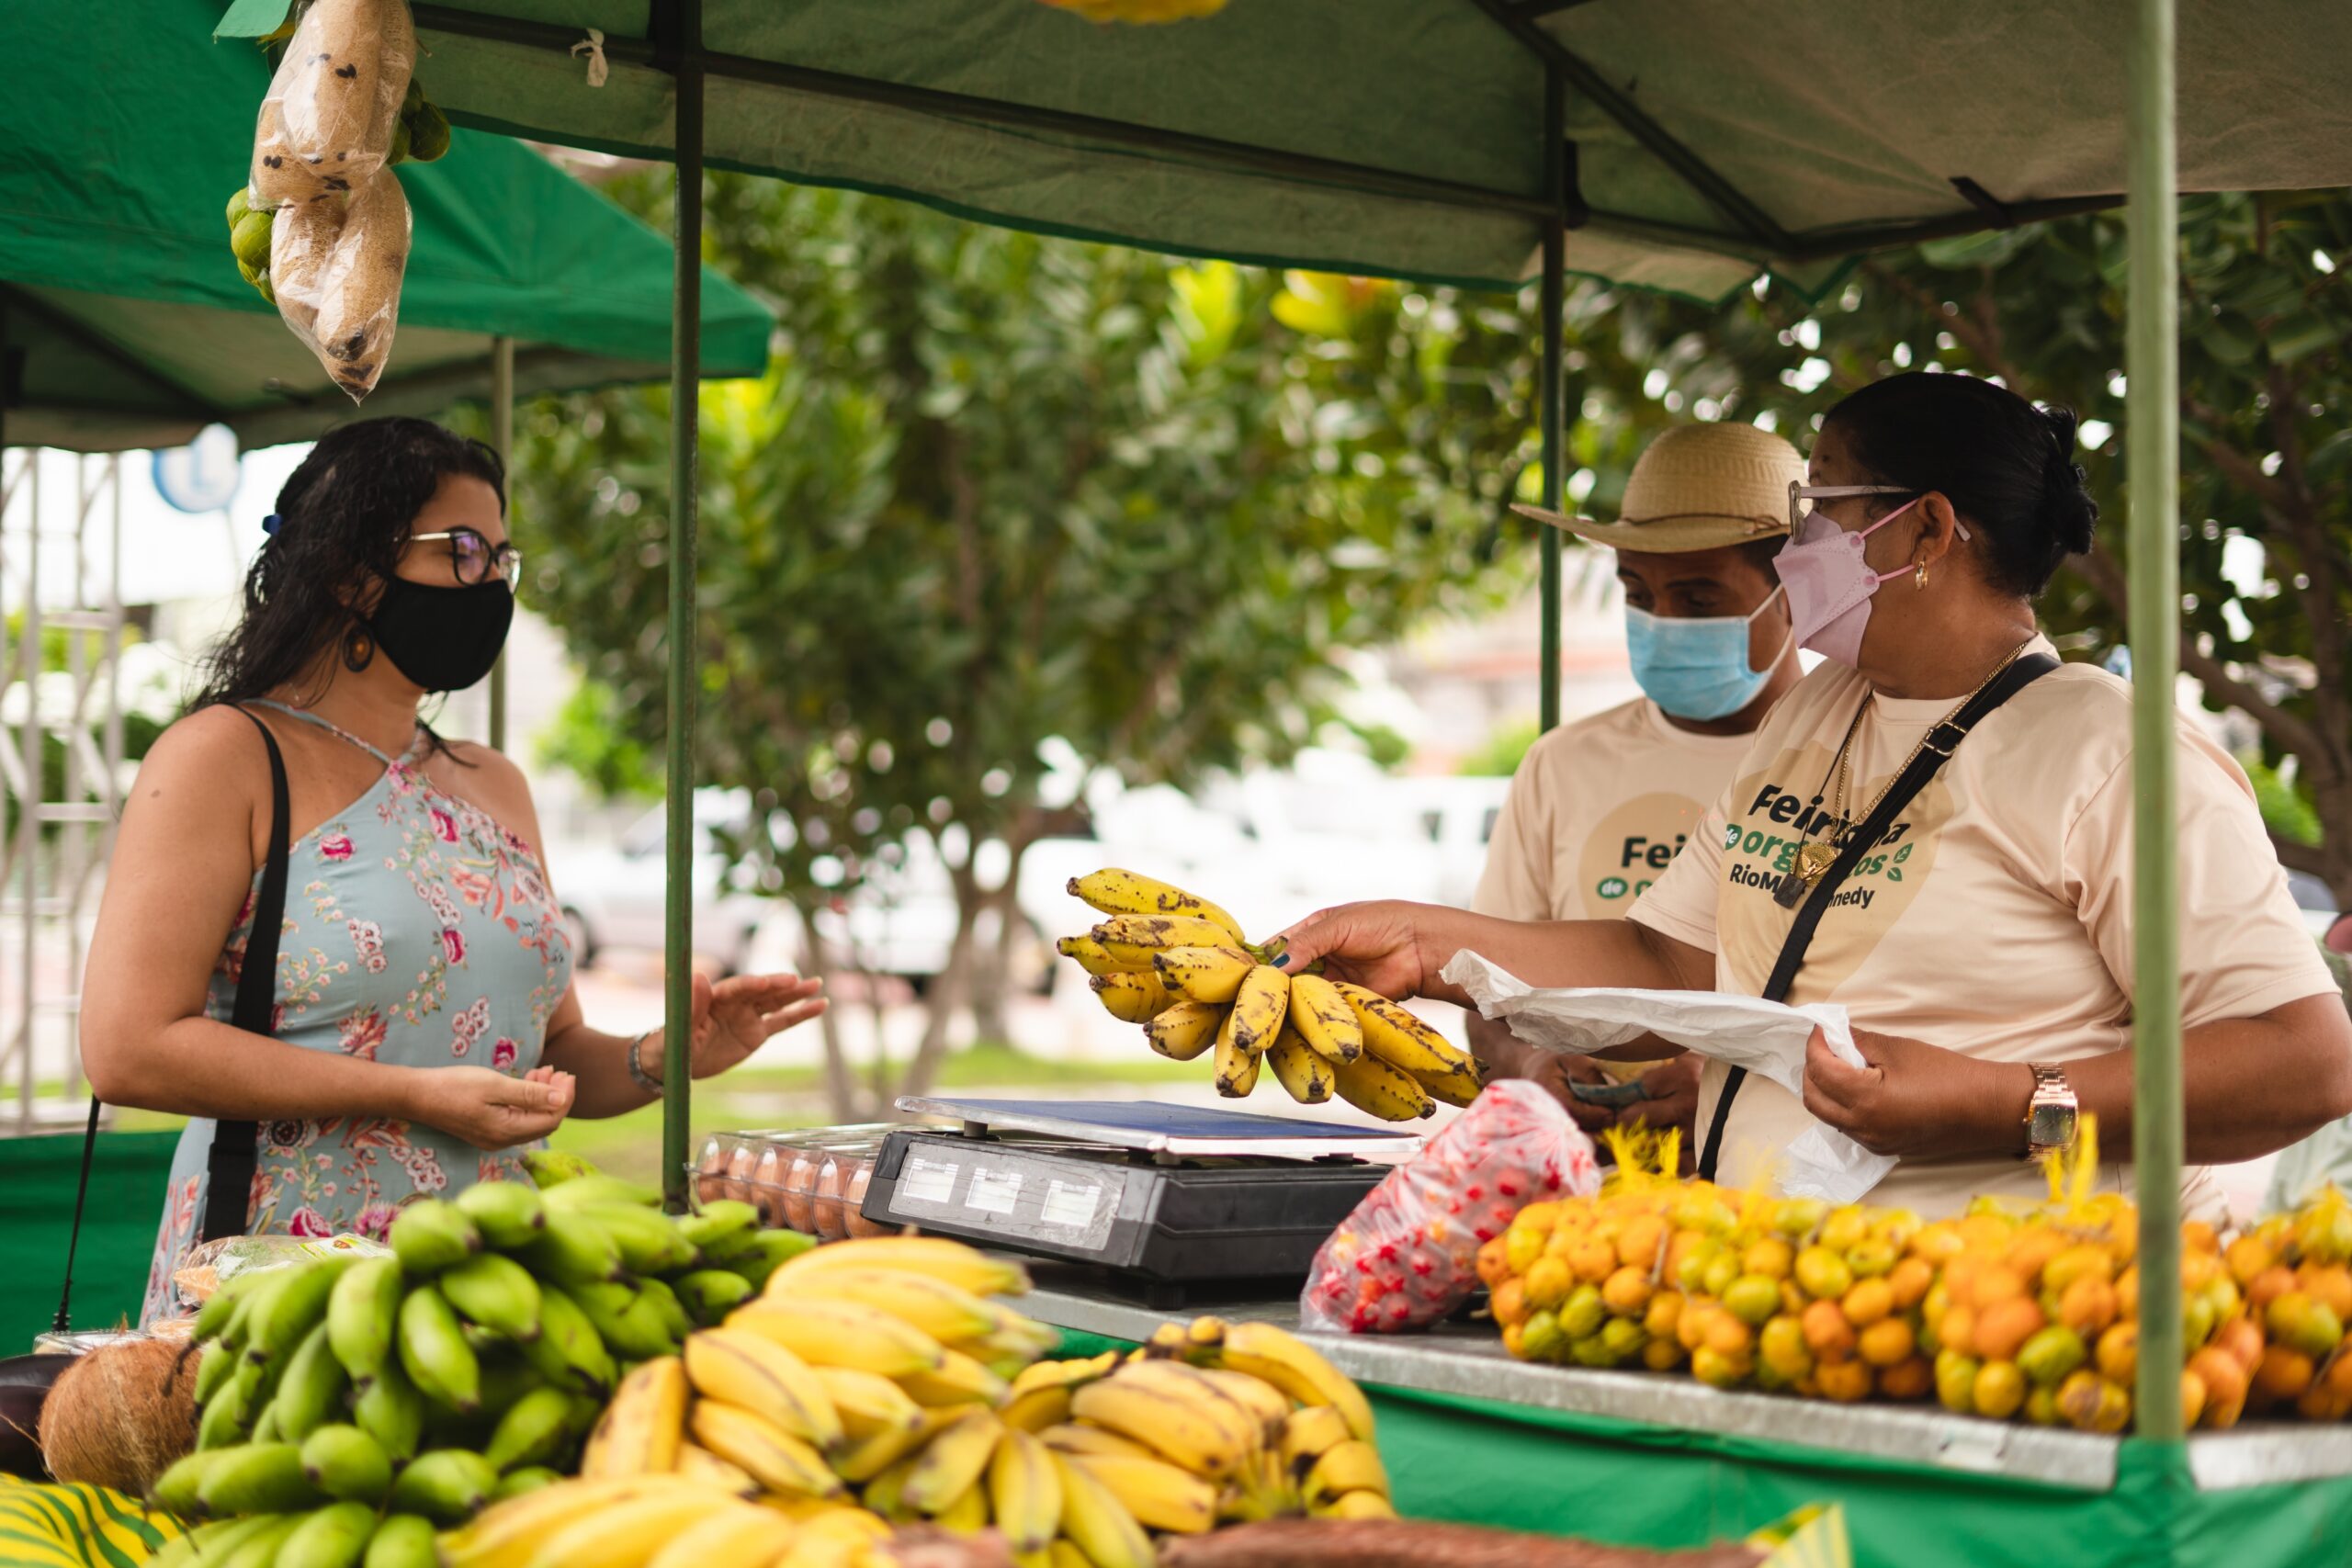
(2051, 1126)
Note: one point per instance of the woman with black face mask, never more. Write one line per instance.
(422, 1027)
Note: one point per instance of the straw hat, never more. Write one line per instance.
(1698, 487)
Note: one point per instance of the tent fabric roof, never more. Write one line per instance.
(1406, 136)
(127, 325)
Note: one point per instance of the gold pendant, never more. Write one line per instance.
(1814, 861)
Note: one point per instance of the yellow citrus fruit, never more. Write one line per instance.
(1721, 1271)
(1872, 1258)
(2196, 1235)
(1822, 1274)
(1662, 1355)
(2081, 1261)
(1593, 1259)
(1581, 1313)
(1627, 1292)
(1522, 1247)
(1844, 1227)
(2299, 1322)
(2330, 1284)
(1716, 1369)
(2033, 1249)
(1827, 1334)
(1996, 1284)
(1912, 1377)
(1727, 1336)
(1769, 1259)
(1623, 1337)
(1509, 1303)
(1664, 1314)
(2119, 1353)
(2051, 1355)
(2269, 1286)
(2000, 1390)
(1752, 1299)
(1911, 1279)
(2248, 1256)
(1690, 1328)
(1547, 1284)
(1958, 1329)
(1888, 1341)
(1868, 1302)
(1956, 1380)
(1937, 1244)
(1797, 1218)
(2042, 1407)
(2003, 1328)
(2087, 1306)
(2193, 1394)
(1539, 1215)
(1845, 1381)
(2091, 1404)
(2240, 1340)
(1639, 1242)
(2226, 1385)
(2283, 1373)
(1781, 1347)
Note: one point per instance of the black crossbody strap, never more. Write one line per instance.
(1942, 742)
(230, 1173)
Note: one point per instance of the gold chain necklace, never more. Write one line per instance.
(1813, 858)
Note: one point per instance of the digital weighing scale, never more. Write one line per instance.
(1170, 1194)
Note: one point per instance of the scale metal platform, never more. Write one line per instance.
(1170, 1195)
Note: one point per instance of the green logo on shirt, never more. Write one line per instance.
(1613, 887)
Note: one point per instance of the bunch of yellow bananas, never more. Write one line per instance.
(1210, 1423)
(1182, 967)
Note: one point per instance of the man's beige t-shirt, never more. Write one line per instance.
(1597, 811)
(1995, 917)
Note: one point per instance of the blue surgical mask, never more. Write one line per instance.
(1696, 669)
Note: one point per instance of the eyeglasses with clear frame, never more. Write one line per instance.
(1800, 493)
(474, 559)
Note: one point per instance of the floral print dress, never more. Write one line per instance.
(418, 932)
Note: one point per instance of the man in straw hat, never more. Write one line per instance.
(1599, 806)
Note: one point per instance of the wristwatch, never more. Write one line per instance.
(2052, 1114)
(647, 1081)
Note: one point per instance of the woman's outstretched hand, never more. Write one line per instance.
(736, 1017)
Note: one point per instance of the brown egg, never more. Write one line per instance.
(832, 1179)
(743, 1159)
(766, 1192)
(800, 1192)
(853, 1220)
(710, 1172)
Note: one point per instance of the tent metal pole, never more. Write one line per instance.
(2152, 367)
(502, 436)
(685, 383)
(1553, 294)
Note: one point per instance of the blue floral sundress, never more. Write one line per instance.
(418, 932)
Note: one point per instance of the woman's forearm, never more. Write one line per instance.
(198, 1067)
(2252, 1086)
(598, 1064)
(1554, 953)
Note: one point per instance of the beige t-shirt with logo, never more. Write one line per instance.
(1597, 811)
(1995, 917)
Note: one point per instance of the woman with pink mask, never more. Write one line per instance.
(1933, 829)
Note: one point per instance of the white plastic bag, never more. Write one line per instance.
(327, 122)
(1767, 1037)
(1407, 1255)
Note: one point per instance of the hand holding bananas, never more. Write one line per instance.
(1183, 967)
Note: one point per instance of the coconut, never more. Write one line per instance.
(120, 1416)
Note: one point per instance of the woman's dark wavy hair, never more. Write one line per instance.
(344, 519)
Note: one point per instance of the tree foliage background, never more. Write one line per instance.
(997, 489)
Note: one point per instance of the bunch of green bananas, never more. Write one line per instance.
(350, 1406)
(1210, 1423)
(1181, 966)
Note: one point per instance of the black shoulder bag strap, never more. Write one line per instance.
(230, 1176)
(234, 1152)
(1940, 743)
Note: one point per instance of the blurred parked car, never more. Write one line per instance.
(615, 896)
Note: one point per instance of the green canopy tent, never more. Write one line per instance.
(1463, 139)
(124, 322)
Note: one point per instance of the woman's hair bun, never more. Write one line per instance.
(2067, 508)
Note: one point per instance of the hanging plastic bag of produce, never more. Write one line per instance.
(1408, 1256)
(327, 122)
(336, 269)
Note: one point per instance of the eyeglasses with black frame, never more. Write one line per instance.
(474, 559)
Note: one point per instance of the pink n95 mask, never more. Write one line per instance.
(1829, 583)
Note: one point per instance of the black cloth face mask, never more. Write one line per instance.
(445, 640)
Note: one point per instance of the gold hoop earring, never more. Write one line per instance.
(1919, 575)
